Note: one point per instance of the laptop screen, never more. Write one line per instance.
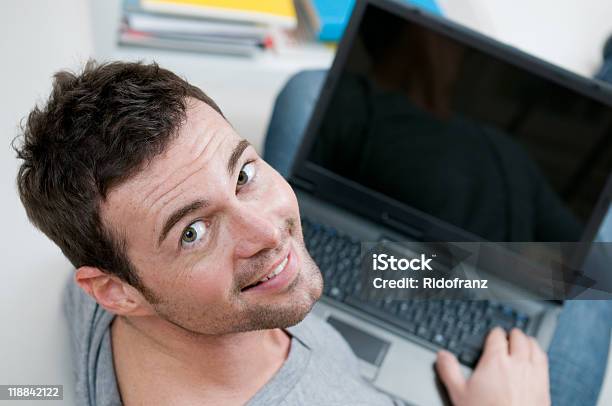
(462, 136)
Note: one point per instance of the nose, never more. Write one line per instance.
(254, 232)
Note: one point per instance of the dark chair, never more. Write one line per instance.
(290, 115)
(605, 72)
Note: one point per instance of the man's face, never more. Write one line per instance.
(205, 222)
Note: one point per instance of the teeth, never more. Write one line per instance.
(276, 271)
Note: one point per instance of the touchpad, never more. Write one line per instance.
(367, 347)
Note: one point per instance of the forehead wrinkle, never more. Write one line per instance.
(213, 151)
(172, 173)
(194, 127)
(196, 157)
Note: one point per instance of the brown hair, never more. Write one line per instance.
(96, 130)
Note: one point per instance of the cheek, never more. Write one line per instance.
(281, 196)
(205, 284)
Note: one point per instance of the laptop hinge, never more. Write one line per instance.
(302, 184)
(401, 226)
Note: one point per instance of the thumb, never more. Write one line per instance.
(450, 374)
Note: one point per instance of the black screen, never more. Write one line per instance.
(463, 136)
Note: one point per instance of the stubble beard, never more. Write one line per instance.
(302, 293)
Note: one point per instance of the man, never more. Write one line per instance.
(193, 285)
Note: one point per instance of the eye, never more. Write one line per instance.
(193, 233)
(246, 174)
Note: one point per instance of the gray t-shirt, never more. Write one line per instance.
(320, 369)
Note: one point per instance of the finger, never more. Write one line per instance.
(538, 356)
(496, 343)
(520, 345)
(450, 374)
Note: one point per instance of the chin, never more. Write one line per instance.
(313, 293)
(286, 318)
(302, 310)
(306, 292)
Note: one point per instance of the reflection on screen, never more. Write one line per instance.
(460, 135)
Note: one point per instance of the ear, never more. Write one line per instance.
(112, 293)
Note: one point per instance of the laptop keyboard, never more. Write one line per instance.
(460, 326)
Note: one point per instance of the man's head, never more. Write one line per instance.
(161, 206)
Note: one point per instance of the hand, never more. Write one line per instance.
(511, 371)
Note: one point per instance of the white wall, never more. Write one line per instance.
(569, 33)
(39, 37)
(36, 39)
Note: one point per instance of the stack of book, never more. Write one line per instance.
(325, 20)
(237, 27)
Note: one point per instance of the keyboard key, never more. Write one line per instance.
(410, 326)
(474, 341)
(453, 346)
(336, 293)
(423, 332)
(439, 339)
(469, 357)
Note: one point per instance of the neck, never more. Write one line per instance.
(225, 363)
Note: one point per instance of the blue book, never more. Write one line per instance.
(329, 17)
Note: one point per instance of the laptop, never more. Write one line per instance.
(427, 132)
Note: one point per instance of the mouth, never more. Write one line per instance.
(277, 270)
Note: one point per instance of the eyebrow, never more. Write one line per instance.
(236, 153)
(177, 215)
(183, 211)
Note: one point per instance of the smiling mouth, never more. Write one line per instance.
(280, 268)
